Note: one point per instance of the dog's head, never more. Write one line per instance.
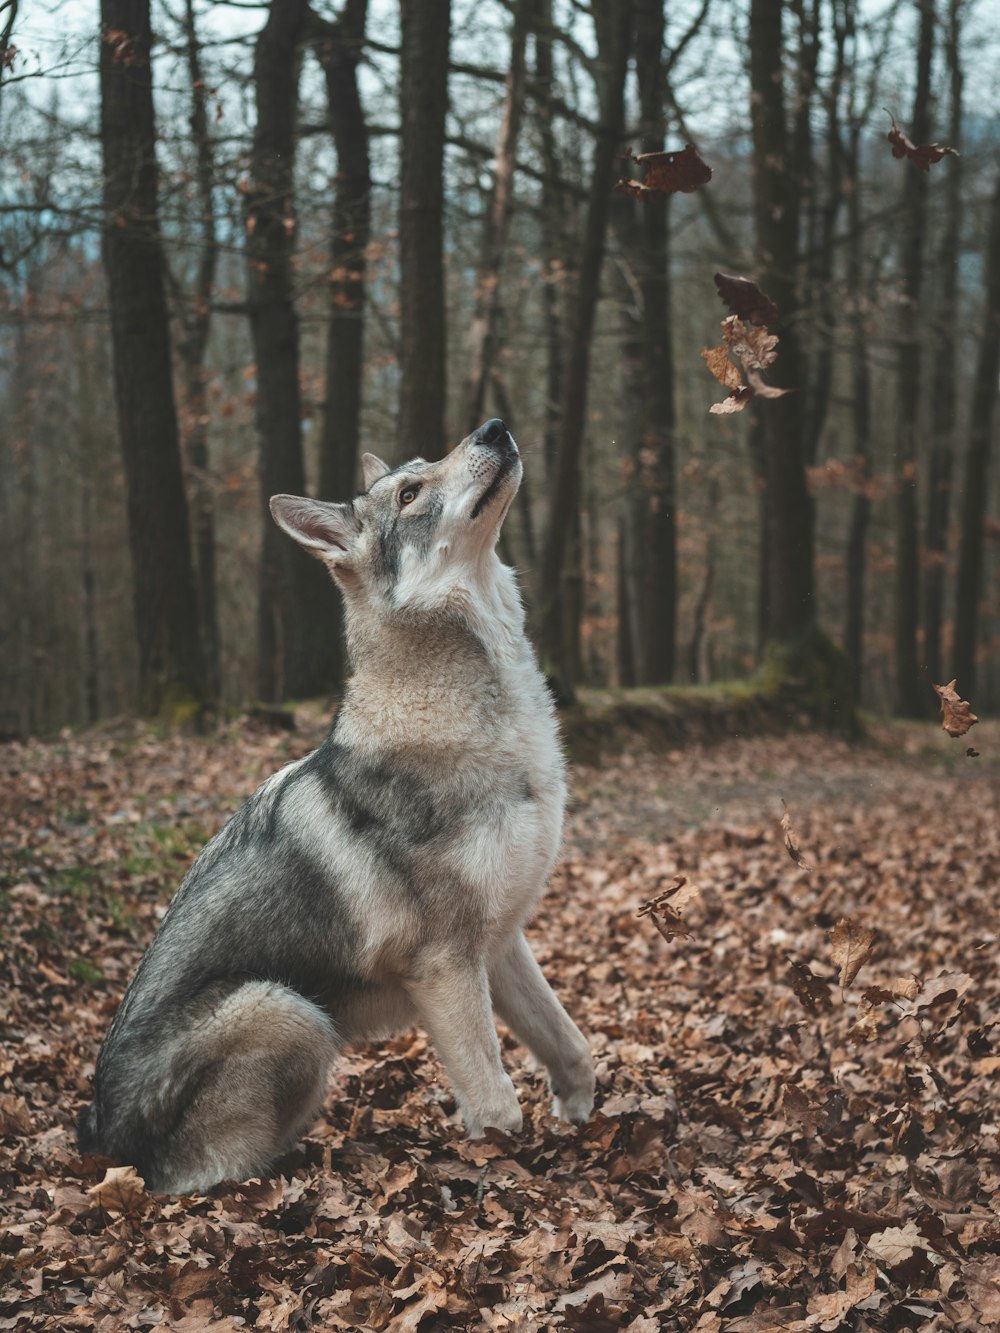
(420, 531)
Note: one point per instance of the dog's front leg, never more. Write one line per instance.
(453, 1001)
(527, 1004)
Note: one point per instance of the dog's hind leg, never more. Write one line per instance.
(254, 1065)
(526, 1002)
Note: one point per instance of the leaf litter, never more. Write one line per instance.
(769, 1149)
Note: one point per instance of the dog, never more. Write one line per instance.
(382, 881)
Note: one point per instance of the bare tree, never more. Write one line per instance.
(911, 692)
(558, 631)
(423, 85)
(483, 330)
(170, 661)
(977, 461)
(297, 638)
(944, 395)
(339, 47)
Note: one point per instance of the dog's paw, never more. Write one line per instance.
(573, 1089)
(508, 1119)
(575, 1108)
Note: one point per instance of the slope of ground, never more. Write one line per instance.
(770, 1149)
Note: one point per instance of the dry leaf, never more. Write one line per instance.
(895, 1245)
(121, 1190)
(665, 909)
(718, 362)
(791, 843)
(745, 299)
(736, 401)
(851, 947)
(666, 173)
(923, 154)
(956, 713)
(813, 992)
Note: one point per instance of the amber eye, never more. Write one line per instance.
(408, 494)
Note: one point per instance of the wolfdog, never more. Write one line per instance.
(383, 880)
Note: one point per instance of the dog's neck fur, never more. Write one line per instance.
(456, 667)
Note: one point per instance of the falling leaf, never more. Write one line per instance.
(718, 362)
(666, 173)
(791, 843)
(898, 988)
(120, 1190)
(756, 349)
(745, 299)
(761, 389)
(736, 401)
(924, 154)
(972, 752)
(956, 713)
(665, 909)
(812, 991)
(851, 947)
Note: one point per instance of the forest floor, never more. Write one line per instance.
(770, 1149)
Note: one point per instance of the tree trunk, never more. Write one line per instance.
(553, 235)
(911, 691)
(656, 456)
(789, 511)
(166, 618)
(297, 631)
(946, 370)
(977, 459)
(483, 330)
(423, 105)
(857, 540)
(196, 325)
(612, 19)
(339, 47)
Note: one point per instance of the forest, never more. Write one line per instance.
(243, 243)
(729, 271)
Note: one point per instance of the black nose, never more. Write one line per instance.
(492, 432)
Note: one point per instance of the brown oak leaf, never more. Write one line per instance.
(851, 947)
(923, 154)
(666, 173)
(956, 713)
(120, 1190)
(791, 843)
(813, 992)
(665, 910)
(718, 362)
(745, 299)
(736, 401)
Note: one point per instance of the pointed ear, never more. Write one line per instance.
(324, 530)
(372, 468)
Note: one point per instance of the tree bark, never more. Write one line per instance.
(196, 326)
(296, 627)
(946, 369)
(423, 106)
(911, 691)
(165, 600)
(612, 19)
(553, 234)
(977, 461)
(857, 539)
(656, 472)
(791, 611)
(339, 47)
(483, 330)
